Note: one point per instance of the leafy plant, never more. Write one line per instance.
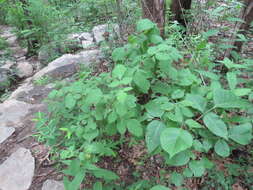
(182, 110)
(3, 44)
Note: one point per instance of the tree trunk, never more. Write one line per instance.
(155, 11)
(244, 28)
(178, 8)
(247, 17)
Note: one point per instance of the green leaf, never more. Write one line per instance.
(70, 101)
(222, 148)
(174, 140)
(121, 127)
(144, 24)
(211, 32)
(154, 109)
(241, 134)
(198, 146)
(119, 71)
(197, 168)
(75, 183)
(232, 80)
(177, 94)
(216, 125)
(187, 112)
(153, 133)
(179, 159)
(162, 56)
(186, 77)
(140, 79)
(156, 39)
(98, 186)
(176, 179)
(160, 187)
(207, 145)
(134, 127)
(242, 91)
(121, 109)
(105, 174)
(119, 54)
(230, 65)
(187, 172)
(198, 102)
(226, 99)
(193, 124)
(207, 163)
(208, 74)
(94, 96)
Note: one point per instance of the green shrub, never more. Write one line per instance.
(3, 44)
(37, 21)
(181, 108)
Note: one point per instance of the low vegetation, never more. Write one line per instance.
(174, 109)
(184, 113)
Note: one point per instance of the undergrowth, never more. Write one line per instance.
(187, 110)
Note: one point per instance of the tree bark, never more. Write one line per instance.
(245, 27)
(247, 17)
(178, 9)
(155, 11)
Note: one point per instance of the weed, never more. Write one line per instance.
(178, 106)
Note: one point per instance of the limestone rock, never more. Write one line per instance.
(12, 112)
(7, 32)
(68, 64)
(5, 133)
(17, 171)
(24, 88)
(8, 64)
(12, 41)
(100, 30)
(24, 69)
(31, 94)
(83, 40)
(52, 185)
(18, 52)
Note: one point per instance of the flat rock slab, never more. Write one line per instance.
(68, 64)
(100, 31)
(17, 171)
(12, 112)
(53, 185)
(5, 133)
(32, 94)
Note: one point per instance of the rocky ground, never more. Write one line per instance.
(24, 162)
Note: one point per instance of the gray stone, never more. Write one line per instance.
(100, 30)
(17, 171)
(5, 78)
(52, 185)
(68, 64)
(31, 94)
(24, 88)
(5, 133)
(7, 32)
(8, 64)
(12, 41)
(12, 113)
(84, 40)
(86, 44)
(18, 52)
(24, 69)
